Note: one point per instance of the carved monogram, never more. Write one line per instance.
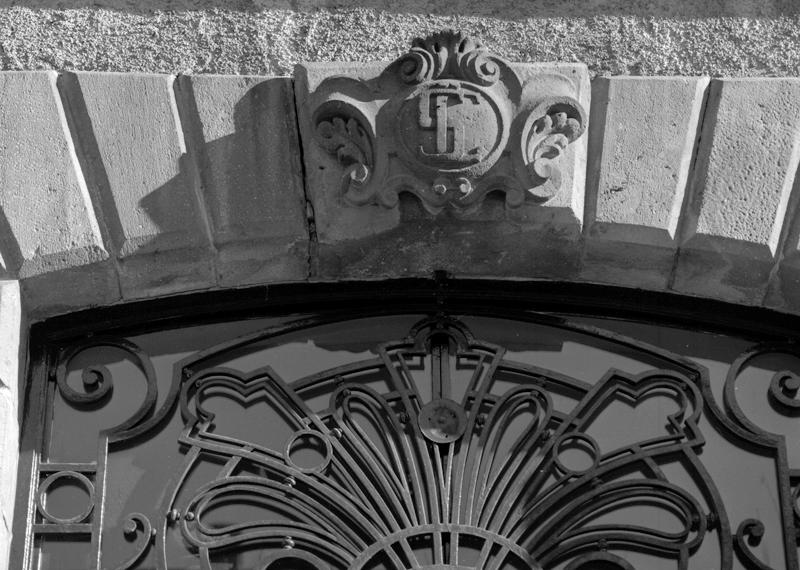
(449, 122)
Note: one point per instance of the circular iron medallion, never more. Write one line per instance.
(442, 421)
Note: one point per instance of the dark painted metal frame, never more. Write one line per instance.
(517, 301)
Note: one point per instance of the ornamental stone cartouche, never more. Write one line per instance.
(448, 122)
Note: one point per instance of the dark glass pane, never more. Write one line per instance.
(63, 552)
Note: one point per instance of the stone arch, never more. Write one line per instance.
(124, 187)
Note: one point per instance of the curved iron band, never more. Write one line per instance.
(146, 537)
(754, 530)
(491, 539)
(127, 428)
(787, 406)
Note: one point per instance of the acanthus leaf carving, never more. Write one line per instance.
(449, 54)
(343, 135)
(345, 138)
(551, 127)
(441, 125)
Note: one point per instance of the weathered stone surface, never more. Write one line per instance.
(13, 325)
(9, 447)
(70, 290)
(5, 546)
(476, 249)
(47, 222)
(132, 143)
(267, 37)
(13, 339)
(741, 186)
(643, 136)
(367, 185)
(244, 131)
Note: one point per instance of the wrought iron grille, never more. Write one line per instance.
(432, 442)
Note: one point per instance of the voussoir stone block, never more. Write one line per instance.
(142, 179)
(447, 159)
(47, 219)
(783, 292)
(246, 139)
(746, 168)
(642, 140)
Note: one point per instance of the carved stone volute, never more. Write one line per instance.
(448, 122)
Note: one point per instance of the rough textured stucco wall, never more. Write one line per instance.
(614, 37)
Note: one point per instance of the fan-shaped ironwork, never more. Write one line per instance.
(438, 451)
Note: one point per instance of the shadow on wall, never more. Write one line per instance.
(499, 9)
(238, 136)
(11, 259)
(246, 171)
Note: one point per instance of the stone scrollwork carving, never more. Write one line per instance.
(556, 124)
(449, 122)
(346, 138)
